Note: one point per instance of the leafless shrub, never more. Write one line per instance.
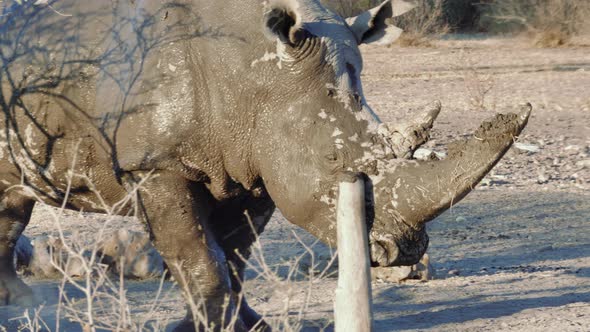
(550, 23)
(423, 23)
(478, 85)
(30, 323)
(316, 272)
(104, 305)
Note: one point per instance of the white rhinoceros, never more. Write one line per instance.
(202, 116)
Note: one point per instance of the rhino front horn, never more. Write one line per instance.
(421, 190)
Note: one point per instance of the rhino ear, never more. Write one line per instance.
(372, 26)
(282, 21)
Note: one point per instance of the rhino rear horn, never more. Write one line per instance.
(404, 138)
(424, 189)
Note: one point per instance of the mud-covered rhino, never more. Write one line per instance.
(200, 116)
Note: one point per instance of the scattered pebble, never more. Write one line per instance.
(422, 154)
(546, 248)
(454, 272)
(583, 163)
(542, 177)
(532, 148)
(427, 154)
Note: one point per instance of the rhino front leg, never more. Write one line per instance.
(236, 226)
(15, 212)
(177, 212)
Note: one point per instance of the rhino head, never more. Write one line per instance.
(318, 126)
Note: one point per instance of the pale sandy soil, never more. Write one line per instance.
(513, 256)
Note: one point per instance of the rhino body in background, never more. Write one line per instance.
(203, 116)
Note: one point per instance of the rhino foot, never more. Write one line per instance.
(252, 319)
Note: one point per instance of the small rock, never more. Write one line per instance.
(532, 148)
(391, 274)
(486, 182)
(440, 155)
(454, 272)
(500, 176)
(422, 271)
(427, 154)
(583, 163)
(546, 248)
(460, 219)
(542, 178)
(422, 154)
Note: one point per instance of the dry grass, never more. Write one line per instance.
(423, 23)
(348, 8)
(549, 23)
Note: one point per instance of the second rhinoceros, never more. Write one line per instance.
(203, 116)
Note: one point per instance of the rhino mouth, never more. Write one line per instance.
(404, 250)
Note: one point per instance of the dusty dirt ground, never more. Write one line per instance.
(513, 256)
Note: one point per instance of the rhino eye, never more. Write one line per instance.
(333, 156)
(331, 92)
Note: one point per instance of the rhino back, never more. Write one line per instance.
(131, 85)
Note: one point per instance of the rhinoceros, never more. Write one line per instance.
(202, 117)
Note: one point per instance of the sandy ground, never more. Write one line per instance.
(513, 256)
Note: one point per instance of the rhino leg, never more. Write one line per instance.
(15, 212)
(177, 213)
(237, 226)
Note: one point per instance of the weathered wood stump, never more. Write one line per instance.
(352, 308)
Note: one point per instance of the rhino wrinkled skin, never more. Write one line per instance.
(203, 116)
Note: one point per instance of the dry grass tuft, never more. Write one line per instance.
(551, 37)
(414, 40)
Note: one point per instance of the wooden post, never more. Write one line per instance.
(352, 307)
